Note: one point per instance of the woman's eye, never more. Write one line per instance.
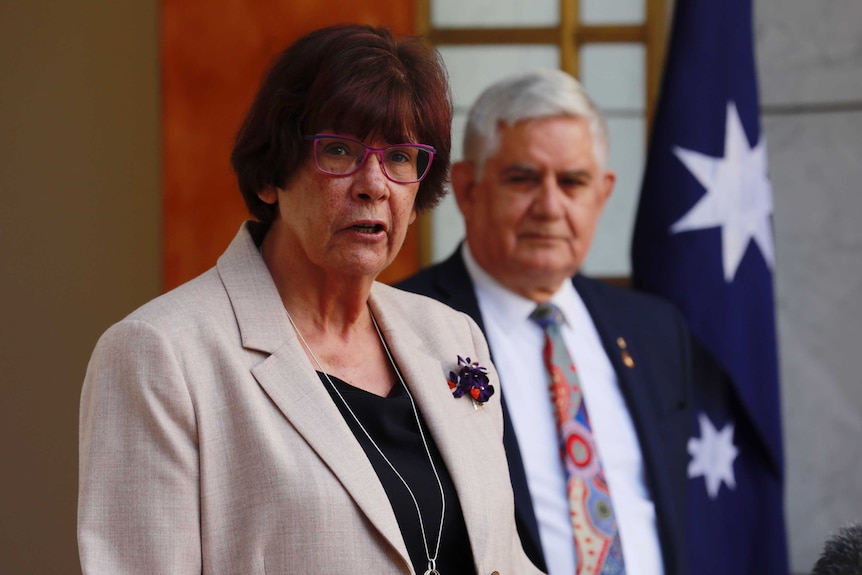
(398, 157)
(336, 150)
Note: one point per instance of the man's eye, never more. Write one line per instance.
(522, 180)
(572, 183)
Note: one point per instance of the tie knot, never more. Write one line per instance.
(547, 315)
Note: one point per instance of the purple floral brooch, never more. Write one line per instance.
(471, 379)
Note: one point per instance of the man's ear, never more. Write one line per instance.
(463, 182)
(609, 178)
(268, 195)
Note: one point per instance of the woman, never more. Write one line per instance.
(284, 413)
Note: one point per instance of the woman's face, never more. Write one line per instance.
(348, 225)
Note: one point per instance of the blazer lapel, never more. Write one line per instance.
(446, 418)
(451, 284)
(290, 380)
(455, 288)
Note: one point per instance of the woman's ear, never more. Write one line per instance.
(268, 195)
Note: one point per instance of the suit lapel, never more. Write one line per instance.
(617, 342)
(455, 288)
(613, 334)
(290, 380)
(635, 388)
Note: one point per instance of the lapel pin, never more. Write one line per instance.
(471, 380)
(624, 353)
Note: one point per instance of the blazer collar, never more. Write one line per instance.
(260, 315)
(291, 382)
(447, 419)
(289, 379)
(454, 287)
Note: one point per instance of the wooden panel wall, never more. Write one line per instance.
(213, 55)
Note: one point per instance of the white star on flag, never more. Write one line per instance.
(738, 195)
(712, 456)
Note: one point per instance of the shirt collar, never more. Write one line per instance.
(508, 306)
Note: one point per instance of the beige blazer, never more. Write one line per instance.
(209, 445)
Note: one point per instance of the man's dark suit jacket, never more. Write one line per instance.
(656, 390)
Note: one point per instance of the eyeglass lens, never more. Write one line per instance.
(404, 163)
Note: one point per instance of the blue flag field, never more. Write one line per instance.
(703, 239)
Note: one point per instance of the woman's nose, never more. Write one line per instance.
(370, 181)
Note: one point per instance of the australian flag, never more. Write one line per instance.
(703, 239)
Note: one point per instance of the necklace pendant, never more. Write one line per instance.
(432, 572)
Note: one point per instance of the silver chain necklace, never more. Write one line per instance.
(432, 561)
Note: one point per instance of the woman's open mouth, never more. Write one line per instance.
(367, 228)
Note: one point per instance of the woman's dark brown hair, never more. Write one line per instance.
(350, 79)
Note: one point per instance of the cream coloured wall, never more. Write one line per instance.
(810, 64)
(79, 241)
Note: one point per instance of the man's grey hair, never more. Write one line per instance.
(842, 553)
(542, 93)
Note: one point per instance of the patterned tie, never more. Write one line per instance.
(597, 541)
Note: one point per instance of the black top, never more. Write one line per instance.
(392, 425)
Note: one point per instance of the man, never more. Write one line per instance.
(531, 188)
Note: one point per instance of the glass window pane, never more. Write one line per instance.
(472, 69)
(447, 225)
(612, 11)
(609, 254)
(614, 76)
(459, 122)
(494, 13)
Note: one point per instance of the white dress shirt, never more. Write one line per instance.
(516, 345)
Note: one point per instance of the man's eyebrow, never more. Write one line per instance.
(520, 168)
(578, 173)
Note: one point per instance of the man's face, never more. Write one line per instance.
(532, 217)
